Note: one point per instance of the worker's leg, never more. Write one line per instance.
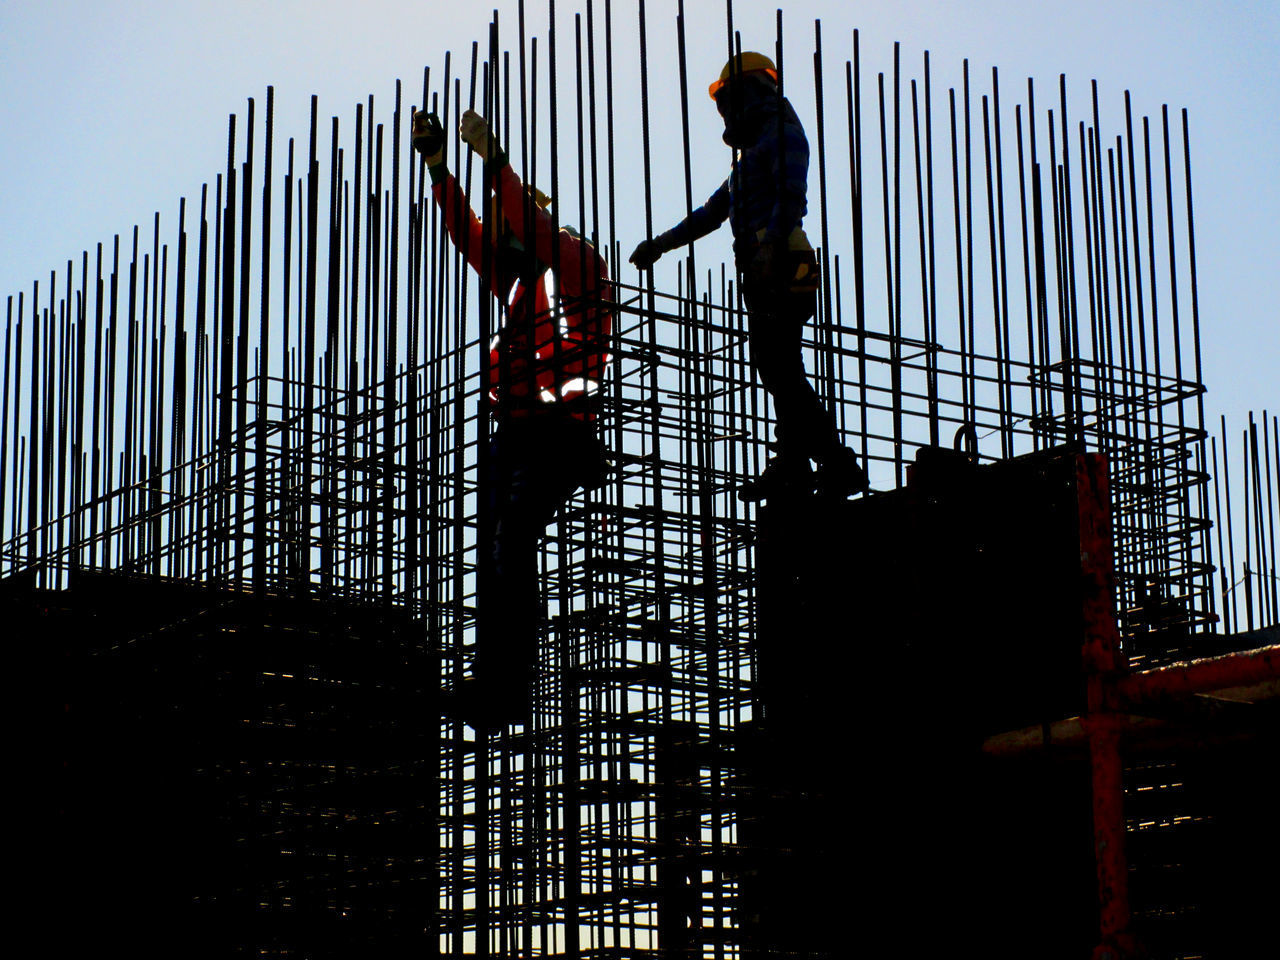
(533, 476)
(495, 484)
(775, 326)
(806, 429)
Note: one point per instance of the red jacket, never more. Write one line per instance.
(541, 359)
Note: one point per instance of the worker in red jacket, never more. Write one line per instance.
(545, 367)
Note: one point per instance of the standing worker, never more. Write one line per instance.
(764, 202)
(545, 368)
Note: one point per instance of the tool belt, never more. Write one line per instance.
(804, 275)
(798, 273)
(796, 270)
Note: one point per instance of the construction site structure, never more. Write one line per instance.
(239, 490)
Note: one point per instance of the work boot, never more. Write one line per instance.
(841, 475)
(779, 478)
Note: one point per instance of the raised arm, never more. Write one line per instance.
(459, 219)
(582, 271)
(464, 227)
(529, 222)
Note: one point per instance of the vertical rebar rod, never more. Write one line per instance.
(1273, 459)
(891, 306)
(1231, 537)
(826, 337)
(1032, 393)
(1004, 374)
(896, 331)
(925, 289)
(998, 339)
(966, 385)
(6, 531)
(853, 93)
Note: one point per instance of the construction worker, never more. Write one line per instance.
(764, 201)
(545, 367)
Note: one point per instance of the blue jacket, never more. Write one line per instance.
(760, 205)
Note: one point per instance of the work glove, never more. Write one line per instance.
(428, 137)
(646, 254)
(475, 133)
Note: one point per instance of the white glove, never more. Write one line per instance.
(475, 133)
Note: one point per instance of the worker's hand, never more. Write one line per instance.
(646, 254)
(475, 132)
(428, 137)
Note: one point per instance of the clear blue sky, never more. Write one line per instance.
(113, 110)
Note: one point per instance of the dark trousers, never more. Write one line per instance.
(533, 466)
(776, 316)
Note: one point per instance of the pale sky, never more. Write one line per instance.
(113, 110)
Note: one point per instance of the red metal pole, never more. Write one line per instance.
(1102, 665)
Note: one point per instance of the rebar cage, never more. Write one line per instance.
(286, 401)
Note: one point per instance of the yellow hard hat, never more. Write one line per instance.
(744, 63)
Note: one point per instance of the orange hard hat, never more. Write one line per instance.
(744, 63)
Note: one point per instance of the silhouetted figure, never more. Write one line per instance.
(764, 201)
(545, 365)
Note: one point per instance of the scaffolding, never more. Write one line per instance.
(286, 404)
